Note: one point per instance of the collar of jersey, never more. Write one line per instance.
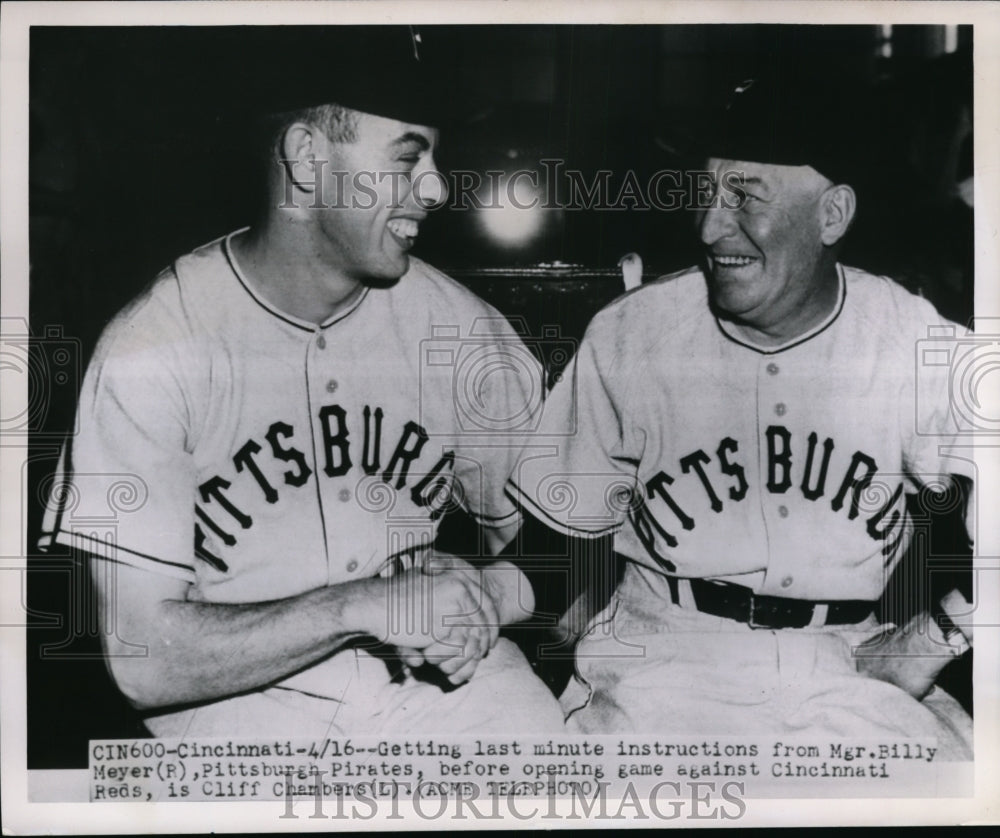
(291, 319)
(730, 332)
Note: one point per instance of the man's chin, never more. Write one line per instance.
(389, 276)
(726, 293)
(727, 303)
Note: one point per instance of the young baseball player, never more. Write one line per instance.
(281, 406)
(745, 436)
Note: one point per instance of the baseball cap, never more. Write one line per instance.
(385, 70)
(788, 120)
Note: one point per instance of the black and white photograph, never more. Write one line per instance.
(436, 415)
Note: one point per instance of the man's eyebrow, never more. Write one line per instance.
(413, 137)
(743, 181)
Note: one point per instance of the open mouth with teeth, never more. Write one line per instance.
(733, 261)
(404, 230)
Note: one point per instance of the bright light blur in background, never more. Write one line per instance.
(512, 214)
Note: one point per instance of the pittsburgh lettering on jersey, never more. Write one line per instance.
(722, 480)
(276, 465)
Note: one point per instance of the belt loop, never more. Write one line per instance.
(820, 611)
(675, 595)
(685, 594)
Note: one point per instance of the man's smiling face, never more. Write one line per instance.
(373, 214)
(762, 237)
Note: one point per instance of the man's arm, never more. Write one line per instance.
(912, 655)
(512, 591)
(199, 651)
(555, 581)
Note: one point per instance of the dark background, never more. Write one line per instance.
(137, 156)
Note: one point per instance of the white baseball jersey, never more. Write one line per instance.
(781, 468)
(258, 456)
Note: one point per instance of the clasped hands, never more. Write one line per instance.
(445, 613)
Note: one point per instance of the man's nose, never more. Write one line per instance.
(430, 188)
(716, 223)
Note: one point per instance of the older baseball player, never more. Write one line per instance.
(290, 450)
(746, 435)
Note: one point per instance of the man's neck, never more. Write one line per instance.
(280, 260)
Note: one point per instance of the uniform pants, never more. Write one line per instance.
(656, 667)
(355, 694)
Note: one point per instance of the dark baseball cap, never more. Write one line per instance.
(387, 71)
(789, 120)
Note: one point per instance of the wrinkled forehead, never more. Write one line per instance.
(767, 176)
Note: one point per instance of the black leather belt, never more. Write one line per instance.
(736, 602)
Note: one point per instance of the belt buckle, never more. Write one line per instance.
(752, 616)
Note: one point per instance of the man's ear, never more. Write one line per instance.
(837, 207)
(298, 156)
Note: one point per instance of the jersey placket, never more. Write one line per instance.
(776, 407)
(334, 497)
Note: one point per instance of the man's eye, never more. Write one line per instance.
(731, 198)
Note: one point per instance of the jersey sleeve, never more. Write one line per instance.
(577, 474)
(939, 410)
(498, 388)
(124, 486)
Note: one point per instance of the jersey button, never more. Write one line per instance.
(786, 582)
(344, 495)
(331, 386)
(321, 342)
(352, 566)
(783, 511)
(772, 368)
(779, 408)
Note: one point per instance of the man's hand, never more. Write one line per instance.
(473, 634)
(911, 657)
(466, 637)
(441, 614)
